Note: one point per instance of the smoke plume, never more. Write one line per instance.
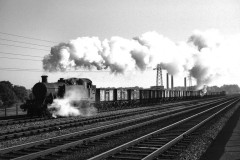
(71, 105)
(205, 55)
(203, 91)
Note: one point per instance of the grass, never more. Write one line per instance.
(12, 110)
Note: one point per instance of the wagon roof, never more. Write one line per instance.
(83, 79)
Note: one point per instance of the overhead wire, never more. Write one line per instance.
(20, 69)
(25, 69)
(19, 59)
(38, 70)
(23, 47)
(8, 53)
(24, 42)
(27, 37)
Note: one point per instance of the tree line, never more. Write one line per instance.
(10, 94)
(230, 89)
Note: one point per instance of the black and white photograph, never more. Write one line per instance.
(119, 79)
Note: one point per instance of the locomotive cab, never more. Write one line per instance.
(83, 86)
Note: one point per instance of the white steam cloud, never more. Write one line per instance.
(71, 105)
(203, 90)
(206, 55)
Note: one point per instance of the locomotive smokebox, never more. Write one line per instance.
(44, 79)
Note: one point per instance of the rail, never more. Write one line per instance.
(45, 147)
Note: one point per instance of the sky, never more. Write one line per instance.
(47, 23)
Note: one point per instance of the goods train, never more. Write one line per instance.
(43, 94)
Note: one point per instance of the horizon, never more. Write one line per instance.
(131, 86)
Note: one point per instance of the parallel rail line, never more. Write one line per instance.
(51, 145)
(153, 145)
(11, 120)
(27, 131)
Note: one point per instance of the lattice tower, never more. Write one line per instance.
(159, 79)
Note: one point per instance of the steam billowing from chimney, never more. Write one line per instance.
(205, 55)
(70, 105)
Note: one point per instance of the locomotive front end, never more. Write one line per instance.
(39, 91)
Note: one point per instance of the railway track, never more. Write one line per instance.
(94, 136)
(38, 129)
(11, 120)
(12, 117)
(165, 143)
(23, 119)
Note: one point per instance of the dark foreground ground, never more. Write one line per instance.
(226, 146)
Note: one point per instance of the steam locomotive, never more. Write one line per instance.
(44, 93)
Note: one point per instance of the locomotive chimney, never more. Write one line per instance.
(61, 79)
(167, 81)
(172, 81)
(44, 79)
(185, 83)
